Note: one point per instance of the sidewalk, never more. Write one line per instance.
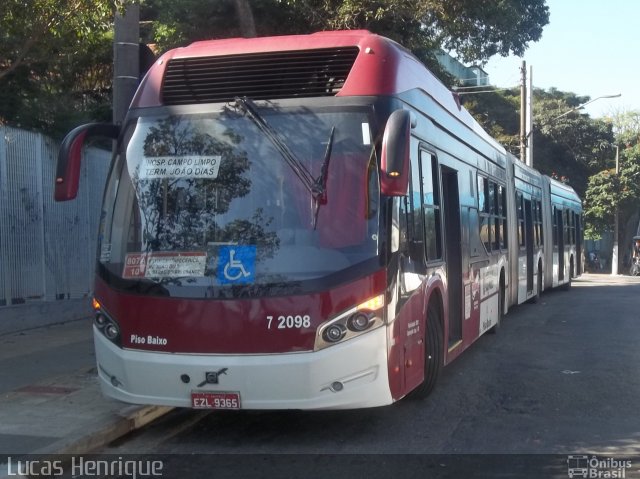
(50, 400)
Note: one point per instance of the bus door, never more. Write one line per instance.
(453, 251)
(560, 241)
(528, 228)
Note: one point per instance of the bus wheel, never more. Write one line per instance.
(433, 357)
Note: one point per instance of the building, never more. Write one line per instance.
(468, 76)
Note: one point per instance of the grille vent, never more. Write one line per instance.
(259, 76)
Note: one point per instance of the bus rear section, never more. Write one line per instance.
(563, 237)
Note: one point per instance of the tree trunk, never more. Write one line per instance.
(245, 18)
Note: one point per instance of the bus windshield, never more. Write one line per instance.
(199, 203)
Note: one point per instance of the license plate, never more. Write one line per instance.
(215, 400)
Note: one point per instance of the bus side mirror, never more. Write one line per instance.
(70, 156)
(395, 160)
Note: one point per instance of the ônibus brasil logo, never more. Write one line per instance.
(597, 467)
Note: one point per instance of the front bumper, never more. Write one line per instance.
(274, 381)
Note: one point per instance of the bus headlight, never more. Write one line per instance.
(359, 320)
(101, 320)
(111, 331)
(106, 324)
(334, 333)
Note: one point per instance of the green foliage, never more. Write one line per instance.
(573, 146)
(55, 62)
(600, 203)
(608, 191)
(475, 30)
(55, 55)
(626, 125)
(499, 115)
(171, 23)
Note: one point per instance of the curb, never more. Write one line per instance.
(102, 433)
(124, 422)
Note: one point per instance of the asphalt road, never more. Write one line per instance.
(560, 378)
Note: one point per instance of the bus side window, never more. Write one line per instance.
(495, 216)
(520, 209)
(475, 245)
(431, 205)
(555, 226)
(502, 195)
(403, 223)
(483, 209)
(541, 225)
(415, 219)
(482, 195)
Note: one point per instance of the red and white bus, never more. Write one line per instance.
(307, 222)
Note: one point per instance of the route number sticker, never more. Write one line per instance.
(164, 265)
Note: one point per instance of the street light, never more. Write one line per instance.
(585, 104)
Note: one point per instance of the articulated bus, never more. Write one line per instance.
(307, 222)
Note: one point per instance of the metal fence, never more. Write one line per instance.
(47, 249)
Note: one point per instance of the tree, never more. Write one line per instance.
(171, 24)
(31, 32)
(46, 46)
(626, 125)
(574, 146)
(475, 30)
(609, 192)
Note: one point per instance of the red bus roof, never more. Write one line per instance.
(382, 66)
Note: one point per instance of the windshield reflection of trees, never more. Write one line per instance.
(182, 214)
(196, 214)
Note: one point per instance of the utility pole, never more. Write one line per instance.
(523, 111)
(614, 254)
(126, 60)
(529, 129)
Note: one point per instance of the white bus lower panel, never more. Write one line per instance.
(345, 376)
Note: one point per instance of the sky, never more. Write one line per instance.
(590, 48)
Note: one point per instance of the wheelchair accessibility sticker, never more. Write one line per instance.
(236, 264)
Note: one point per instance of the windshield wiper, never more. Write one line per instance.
(316, 186)
(296, 165)
(320, 184)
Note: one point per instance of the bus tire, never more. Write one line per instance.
(433, 354)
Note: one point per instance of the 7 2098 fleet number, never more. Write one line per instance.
(289, 322)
